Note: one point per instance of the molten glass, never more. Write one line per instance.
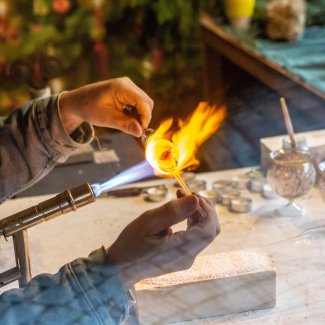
(169, 153)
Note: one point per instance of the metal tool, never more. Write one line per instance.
(133, 191)
(145, 135)
(17, 224)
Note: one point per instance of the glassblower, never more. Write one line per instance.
(17, 224)
(169, 153)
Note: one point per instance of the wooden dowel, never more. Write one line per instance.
(287, 121)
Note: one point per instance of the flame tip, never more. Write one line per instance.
(185, 141)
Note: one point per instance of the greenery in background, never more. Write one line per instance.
(156, 43)
(315, 12)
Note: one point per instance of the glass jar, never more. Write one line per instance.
(321, 182)
(291, 175)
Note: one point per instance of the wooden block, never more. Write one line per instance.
(215, 285)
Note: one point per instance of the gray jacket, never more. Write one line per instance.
(85, 291)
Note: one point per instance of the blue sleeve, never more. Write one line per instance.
(83, 292)
(32, 140)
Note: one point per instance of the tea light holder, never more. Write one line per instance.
(256, 184)
(156, 193)
(254, 173)
(241, 181)
(222, 185)
(211, 195)
(226, 197)
(241, 204)
(196, 185)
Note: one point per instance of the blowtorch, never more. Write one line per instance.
(64, 202)
(17, 224)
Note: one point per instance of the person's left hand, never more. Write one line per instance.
(148, 247)
(103, 104)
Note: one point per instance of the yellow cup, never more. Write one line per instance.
(240, 12)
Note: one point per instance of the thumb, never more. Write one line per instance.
(172, 213)
(129, 125)
(180, 193)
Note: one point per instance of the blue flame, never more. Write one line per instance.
(132, 174)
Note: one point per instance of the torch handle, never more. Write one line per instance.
(62, 203)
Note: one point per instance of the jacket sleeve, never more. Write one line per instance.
(83, 292)
(32, 140)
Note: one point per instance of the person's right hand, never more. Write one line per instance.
(147, 247)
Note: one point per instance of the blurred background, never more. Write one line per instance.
(67, 43)
(53, 45)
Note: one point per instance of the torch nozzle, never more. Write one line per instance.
(62, 203)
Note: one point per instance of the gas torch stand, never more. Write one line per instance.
(17, 224)
(22, 270)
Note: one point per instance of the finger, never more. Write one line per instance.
(126, 124)
(143, 103)
(166, 232)
(170, 213)
(195, 239)
(211, 221)
(137, 98)
(184, 246)
(180, 193)
(140, 119)
(207, 201)
(144, 110)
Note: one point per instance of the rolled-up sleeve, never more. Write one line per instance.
(32, 140)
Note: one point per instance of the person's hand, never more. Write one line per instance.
(103, 104)
(147, 247)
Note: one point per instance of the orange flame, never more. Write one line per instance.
(169, 153)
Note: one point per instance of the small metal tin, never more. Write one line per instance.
(254, 173)
(222, 185)
(268, 192)
(196, 185)
(226, 197)
(241, 204)
(212, 195)
(240, 181)
(187, 176)
(156, 194)
(256, 184)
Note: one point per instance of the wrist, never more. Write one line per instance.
(124, 271)
(67, 112)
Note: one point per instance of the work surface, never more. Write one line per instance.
(296, 245)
